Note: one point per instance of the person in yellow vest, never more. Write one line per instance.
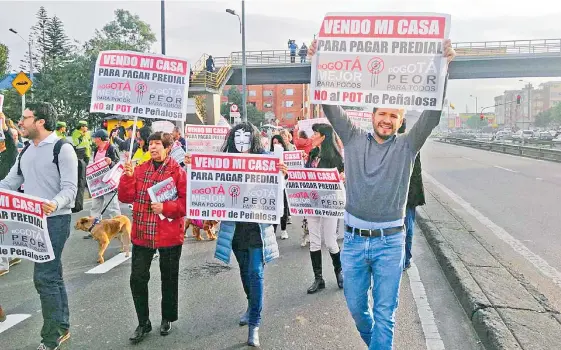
(61, 130)
(141, 155)
(82, 140)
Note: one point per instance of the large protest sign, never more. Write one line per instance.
(235, 187)
(315, 192)
(95, 173)
(23, 228)
(361, 119)
(392, 60)
(293, 159)
(205, 138)
(141, 85)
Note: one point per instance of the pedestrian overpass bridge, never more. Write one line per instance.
(474, 60)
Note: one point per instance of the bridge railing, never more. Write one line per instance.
(482, 48)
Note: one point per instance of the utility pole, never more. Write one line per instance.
(163, 24)
(529, 104)
(244, 76)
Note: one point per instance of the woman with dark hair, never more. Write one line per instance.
(278, 140)
(325, 154)
(150, 233)
(253, 244)
(142, 154)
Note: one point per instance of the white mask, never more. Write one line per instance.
(242, 140)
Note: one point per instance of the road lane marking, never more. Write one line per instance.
(468, 158)
(507, 169)
(430, 330)
(12, 320)
(539, 179)
(109, 264)
(538, 262)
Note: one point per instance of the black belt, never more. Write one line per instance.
(374, 233)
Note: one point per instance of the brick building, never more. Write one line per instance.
(286, 103)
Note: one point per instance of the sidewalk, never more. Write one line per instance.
(505, 310)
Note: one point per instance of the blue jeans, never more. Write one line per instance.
(48, 281)
(252, 271)
(373, 266)
(409, 227)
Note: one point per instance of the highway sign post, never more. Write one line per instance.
(22, 84)
(235, 113)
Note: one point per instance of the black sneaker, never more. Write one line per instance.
(165, 327)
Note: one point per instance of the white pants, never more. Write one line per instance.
(4, 264)
(327, 227)
(99, 203)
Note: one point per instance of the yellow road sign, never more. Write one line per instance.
(22, 83)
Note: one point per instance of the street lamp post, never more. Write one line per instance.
(163, 25)
(475, 102)
(244, 76)
(30, 66)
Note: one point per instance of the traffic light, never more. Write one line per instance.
(518, 97)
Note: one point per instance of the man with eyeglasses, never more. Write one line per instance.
(42, 179)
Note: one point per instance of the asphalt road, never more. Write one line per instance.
(211, 300)
(511, 202)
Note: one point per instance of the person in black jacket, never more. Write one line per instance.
(124, 145)
(415, 198)
(325, 154)
(107, 152)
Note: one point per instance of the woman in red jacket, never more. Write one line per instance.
(150, 232)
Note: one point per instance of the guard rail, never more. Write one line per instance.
(523, 151)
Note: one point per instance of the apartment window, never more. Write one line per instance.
(252, 93)
(289, 92)
(267, 93)
(289, 116)
(253, 103)
(288, 103)
(267, 105)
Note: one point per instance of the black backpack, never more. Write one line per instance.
(79, 202)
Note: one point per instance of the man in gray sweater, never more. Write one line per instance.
(378, 169)
(58, 187)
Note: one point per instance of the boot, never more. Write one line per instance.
(337, 267)
(253, 336)
(140, 332)
(319, 283)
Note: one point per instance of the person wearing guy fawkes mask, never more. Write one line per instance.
(253, 244)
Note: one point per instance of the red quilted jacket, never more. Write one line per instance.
(164, 233)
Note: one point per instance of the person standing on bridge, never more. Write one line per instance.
(151, 233)
(325, 154)
(59, 187)
(379, 167)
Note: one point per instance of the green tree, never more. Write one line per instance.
(38, 39)
(543, 119)
(4, 60)
(57, 43)
(254, 115)
(475, 122)
(125, 32)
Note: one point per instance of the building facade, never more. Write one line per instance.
(283, 103)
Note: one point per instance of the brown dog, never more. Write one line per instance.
(209, 226)
(106, 230)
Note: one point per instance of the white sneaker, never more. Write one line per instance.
(284, 234)
(305, 240)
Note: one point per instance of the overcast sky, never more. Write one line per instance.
(196, 27)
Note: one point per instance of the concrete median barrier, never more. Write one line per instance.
(553, 155)
(505, 311)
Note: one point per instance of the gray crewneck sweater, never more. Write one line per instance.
(377, 175)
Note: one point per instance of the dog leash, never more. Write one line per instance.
(97, 220)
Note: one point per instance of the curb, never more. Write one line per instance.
(506, 311)
(489, 326)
